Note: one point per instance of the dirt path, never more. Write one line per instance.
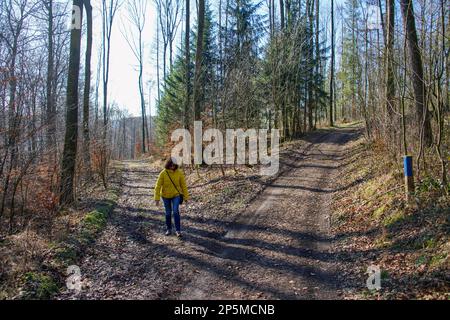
(278, 248)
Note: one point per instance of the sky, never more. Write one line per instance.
(123, 80)
(123, 83)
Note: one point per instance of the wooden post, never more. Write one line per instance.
(409, 177)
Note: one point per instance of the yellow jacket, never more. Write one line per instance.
(165, 188)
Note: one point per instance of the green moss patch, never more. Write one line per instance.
(394, 218)
(39, 286)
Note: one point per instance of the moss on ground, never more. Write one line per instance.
(94, 222)
(39, 286)
(68, 252)
(395, 217)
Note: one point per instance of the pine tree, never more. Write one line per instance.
(242, 64)
(171, 108)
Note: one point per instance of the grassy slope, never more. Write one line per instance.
(374, 226)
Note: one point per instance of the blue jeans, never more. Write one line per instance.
(173, 205)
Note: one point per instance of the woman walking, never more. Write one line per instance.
(171, 186)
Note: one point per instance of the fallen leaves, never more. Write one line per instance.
(403, 248)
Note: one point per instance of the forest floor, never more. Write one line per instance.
(373, 225)
(245, 237)
(335, 208)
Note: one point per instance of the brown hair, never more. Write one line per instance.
(169, 164)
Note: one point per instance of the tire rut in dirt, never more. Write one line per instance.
(279, 247)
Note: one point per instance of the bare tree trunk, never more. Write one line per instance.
(422, 113)
(168, 11)
(108, 12)
(50, 107)
(309, 8)
(97, 87)
(136, 15)
(87, 88)
(148, 118)
(71, 136)
(12, 107)
(332, 66)
(105, 60)
(271, 26)
(198, 61)
(442, 98)
(389, 51)
(164, 64)
(288, 13)
(141, 93)
(158, 76)
(143, 113)
(188, 68)
(383, 27)
(318, 60)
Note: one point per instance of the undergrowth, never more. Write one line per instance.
(377, 226)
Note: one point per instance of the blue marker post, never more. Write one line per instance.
(409, 177)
